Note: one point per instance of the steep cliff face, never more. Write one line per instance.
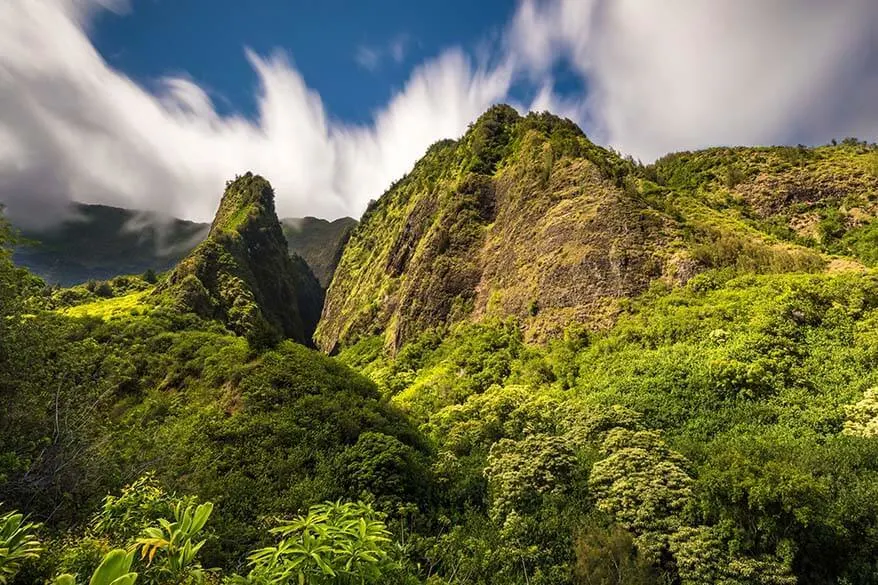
(525, 217)
(319, 242)
(522, 217)
(242, 273)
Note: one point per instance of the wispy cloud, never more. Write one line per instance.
(372, 57)
(367, 58)
(683, 74)
(73, 128)
(659, 77)
(398, 48)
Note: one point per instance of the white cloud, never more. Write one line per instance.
(367, 58)
(660, 76)
(681, 74)
(370, 58)
(75, 129)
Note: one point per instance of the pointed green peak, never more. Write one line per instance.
(242, 274)
(247, 197)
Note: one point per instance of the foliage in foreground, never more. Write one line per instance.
(335, 542)
(18, 544)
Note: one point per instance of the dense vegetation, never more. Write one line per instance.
(554, 365)
(725, 430)
(319, 242)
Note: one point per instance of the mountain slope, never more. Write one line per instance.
(242, 273)
(100, 242)
(524, 217)
(319, 242)
(453, 238)
(825, 198)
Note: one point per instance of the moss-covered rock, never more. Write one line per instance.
(522, 216)
(525, 217)
(243, 275)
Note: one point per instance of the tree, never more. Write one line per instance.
(103, 289)
(335, 543)
(383, 466)
(862, 417)
(521, 473)
(18, 544)
(642, 483)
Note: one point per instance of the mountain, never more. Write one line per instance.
(319, 242)
(525, 217)
(552, 365)
(99, 242)
(242, 273)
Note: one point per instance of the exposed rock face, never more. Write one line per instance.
(242, 273)
(319, 242)
(522, 217)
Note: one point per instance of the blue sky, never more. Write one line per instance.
(154, 104)
(355, 54)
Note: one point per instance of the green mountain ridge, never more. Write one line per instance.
(101, 242)
(553, 365)
(525, 217)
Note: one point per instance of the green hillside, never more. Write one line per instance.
(552, 365)
(99, 242)
(319, 242)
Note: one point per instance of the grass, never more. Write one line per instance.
(117, 307)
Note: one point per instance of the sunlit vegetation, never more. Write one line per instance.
(700, 405)
(113, 308)
(149, 536)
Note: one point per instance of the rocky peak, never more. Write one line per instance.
(242, 273)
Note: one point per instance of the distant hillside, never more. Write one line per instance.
(524, 217)
(101, 242)
(319, 242)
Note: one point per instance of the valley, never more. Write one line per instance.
(531, 361)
